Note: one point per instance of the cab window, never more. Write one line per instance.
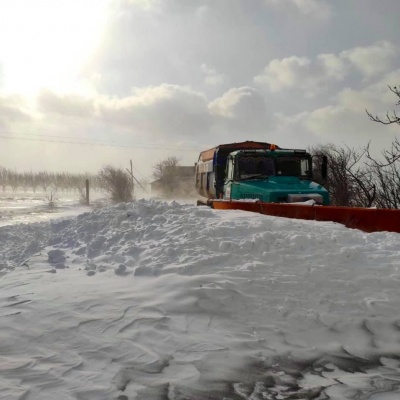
(288, 166)
(256, 166)
(306, 168)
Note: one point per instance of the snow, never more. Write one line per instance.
(166, 300)
(33, 207)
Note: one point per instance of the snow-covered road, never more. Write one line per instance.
(155, 300)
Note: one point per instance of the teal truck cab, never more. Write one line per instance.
(258, 171)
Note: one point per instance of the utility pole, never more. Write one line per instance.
(133, 185)
(133, 178)
(87, 192)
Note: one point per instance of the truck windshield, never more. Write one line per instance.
(251, 166)
(255, 166)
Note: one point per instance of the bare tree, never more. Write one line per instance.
(350, 181)
(44, 180)
(165, 175)
(3, 178)
(172, 179)
(387, 174)
(165, 168)
(14, 180)
(387, 170)
(117, 183)
(390, 119)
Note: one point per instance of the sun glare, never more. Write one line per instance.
(44, 43)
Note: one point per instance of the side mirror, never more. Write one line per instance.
(324, 167)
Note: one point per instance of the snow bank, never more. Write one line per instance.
(151, 300)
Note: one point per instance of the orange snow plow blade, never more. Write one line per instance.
(365, 219)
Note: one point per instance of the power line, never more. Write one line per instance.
(90, 141)
(13, 133)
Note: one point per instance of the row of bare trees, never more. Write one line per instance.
(113, 181)
(356, 178)
(45, 181)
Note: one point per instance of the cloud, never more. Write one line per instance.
(12, 111)
(329, 124)
(355, 100)
(212, 77)
(341, 125)
(1, 74)
(302, 73)
(176, 112)
(281, 74)
(331, 66)
(242, 110)
(67, 105)
(167, 111)
(309, 8)
(148, 5)
(314, 75)
(372, 60)
(236, 101)
(318, 8)
(345, 120)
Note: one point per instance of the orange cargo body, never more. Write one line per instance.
(207, 155)
(365, 219)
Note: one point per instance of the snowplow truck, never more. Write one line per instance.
(259, 171)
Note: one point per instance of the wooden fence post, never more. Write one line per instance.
(87, 192)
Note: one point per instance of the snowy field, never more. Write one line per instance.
(24, 207)
(155, 300)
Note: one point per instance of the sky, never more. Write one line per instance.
(84, 84)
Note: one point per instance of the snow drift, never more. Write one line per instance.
(150, 300)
